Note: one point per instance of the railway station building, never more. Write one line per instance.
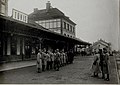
(21, 35)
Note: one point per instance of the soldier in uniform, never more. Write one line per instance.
(52, 59)
(39, 61)
(48, 60)
(70, 56)
(64, 57)
(61, 58)
(57, 60)
(106, 64)
(101, 62)
(95, 66)
(44, 59)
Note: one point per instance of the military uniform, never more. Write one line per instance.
(39, 62)
(44, 60)
(57, 61)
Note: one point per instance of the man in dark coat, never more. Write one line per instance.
(101, 62)
(57, 60)
(70, 56)
(106, 64)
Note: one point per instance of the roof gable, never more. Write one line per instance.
(53, 13)
(100, 42)
(44, 14)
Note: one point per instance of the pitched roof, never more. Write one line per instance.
(101, 42)
(32, 26)
(53, 13)
(104, 42)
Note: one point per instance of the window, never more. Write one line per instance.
(51, 24)
(40, 24)
(15, 14)
(54, 20)
(64, 25)
(43, 24)
(3, 8)
(50, 20)
(58, 20)
(18, 16)
(25, 19)
(64, 34)
(58, 24)
(46, 21)
(55, 25)
(21, 16)
(71, 28)
(68, 26)
(47, 25)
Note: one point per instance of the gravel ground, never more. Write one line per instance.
(76, 73)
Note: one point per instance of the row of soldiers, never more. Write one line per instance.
(47, 60)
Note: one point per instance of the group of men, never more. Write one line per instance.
(101, 64)
(47, 59)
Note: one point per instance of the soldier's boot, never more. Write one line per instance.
(43, 68)
(93, 75)
(96, 75)
(103, 75)
(38, 70)
(107, 77)
(57, 69)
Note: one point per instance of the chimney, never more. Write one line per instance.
(48, 6)
(35, 9)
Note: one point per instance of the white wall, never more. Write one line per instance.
(19, 16)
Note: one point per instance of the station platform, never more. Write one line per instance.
(16, 65)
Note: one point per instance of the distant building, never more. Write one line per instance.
(4, 7)
(100, 44)
(54, 20)
(18, 15)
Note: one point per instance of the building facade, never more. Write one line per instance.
(21, 41)
(54, 20)
(4, 7)
(18, 15)
(22, 36)
(100, 44)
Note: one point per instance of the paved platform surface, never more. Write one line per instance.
(76, 73)
(16, 65)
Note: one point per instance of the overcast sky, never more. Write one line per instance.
(95, 19)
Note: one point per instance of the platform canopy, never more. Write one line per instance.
(31, 29)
